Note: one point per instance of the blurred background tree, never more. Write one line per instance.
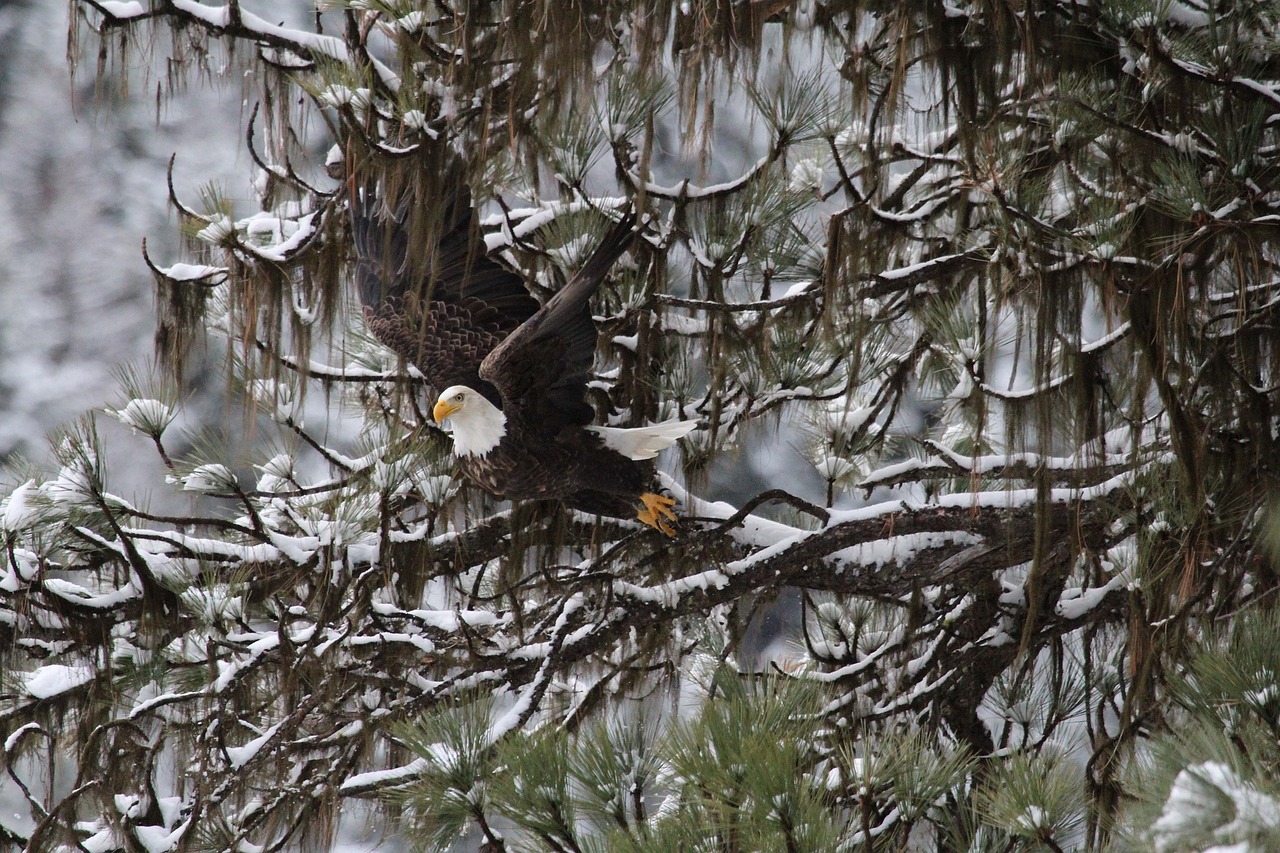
(975, 303)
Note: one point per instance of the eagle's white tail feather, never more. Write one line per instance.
(643, 442)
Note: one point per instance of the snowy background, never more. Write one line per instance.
(81, 185)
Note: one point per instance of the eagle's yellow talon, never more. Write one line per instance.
(657, 510)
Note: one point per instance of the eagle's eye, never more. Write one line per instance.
(458, 397)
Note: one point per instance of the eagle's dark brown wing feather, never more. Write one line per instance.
(443, 308)
(542, 367)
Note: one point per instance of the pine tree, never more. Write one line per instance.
(1003, 272)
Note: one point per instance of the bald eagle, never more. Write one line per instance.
(511, 375)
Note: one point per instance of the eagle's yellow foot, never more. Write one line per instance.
(655, 508)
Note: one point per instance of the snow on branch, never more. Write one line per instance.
(230, 20)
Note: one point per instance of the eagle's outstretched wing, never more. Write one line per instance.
(443, 306)
(543, 366)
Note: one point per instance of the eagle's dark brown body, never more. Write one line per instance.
(574, 467)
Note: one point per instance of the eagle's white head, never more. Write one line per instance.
(478, 425)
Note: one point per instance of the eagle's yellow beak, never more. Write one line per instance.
(443, 409)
